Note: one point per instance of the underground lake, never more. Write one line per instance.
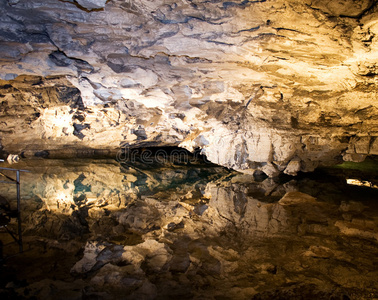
(167, 229)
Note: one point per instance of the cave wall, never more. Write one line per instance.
(281, 86)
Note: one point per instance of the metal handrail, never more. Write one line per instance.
(10, 169)
(17, 182)
(13, 181)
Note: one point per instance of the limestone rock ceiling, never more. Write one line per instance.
(270, 85)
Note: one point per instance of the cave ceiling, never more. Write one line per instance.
(281, 86)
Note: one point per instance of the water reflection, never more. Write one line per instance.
(198, 232)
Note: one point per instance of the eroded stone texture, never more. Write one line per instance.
(280, 86)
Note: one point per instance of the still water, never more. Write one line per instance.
(98, 229)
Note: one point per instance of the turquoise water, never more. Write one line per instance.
(178, 231)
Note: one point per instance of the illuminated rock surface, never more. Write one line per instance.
(96, 229)
(280, 86)
(274, 87)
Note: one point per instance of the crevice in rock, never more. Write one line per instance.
(86, 9)
(62, 60)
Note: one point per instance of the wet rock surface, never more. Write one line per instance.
(278, 86)
(101, 230)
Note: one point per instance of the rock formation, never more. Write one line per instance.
(280, 86)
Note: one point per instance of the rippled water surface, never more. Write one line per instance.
(97, 229)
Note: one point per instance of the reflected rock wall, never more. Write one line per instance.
(124, 231)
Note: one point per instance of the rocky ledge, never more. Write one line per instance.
(277, 86)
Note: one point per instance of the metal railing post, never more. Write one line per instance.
(18, 238)
(19, 210)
